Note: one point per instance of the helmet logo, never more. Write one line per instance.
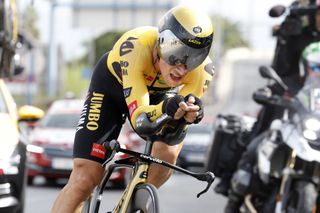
(194, 41)
(197, 29)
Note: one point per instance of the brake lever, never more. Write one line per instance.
(113, 146)
(209, 178)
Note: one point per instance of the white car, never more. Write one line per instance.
(13, 150)
(51, 141)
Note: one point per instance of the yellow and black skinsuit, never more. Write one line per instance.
(125, 81)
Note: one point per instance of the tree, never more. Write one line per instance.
(227, 35)
(29, 22)
(232, 36)
(105, 42)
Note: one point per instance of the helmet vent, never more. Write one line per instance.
(197, 29)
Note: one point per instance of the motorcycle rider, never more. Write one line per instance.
(288, 52)
(311, 61)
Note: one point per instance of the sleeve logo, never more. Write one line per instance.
(124, 65)
(132, 107)
(127, 46)
(127, 92)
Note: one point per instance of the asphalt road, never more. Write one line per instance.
(177, 195)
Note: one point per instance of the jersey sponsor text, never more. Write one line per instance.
(82, 118)
(94, 111)
(132, 107)
(98, 151)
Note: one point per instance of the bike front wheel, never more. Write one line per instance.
(144, 199)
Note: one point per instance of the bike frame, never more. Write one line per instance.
(140, 163)
(140, 174)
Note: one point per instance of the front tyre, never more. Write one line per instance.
(144, 199)
(303, 199)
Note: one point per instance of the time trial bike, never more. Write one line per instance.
(139, 196)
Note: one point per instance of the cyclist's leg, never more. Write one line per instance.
(158, 174)
(85, 176)
(165, 147)
(100, 113)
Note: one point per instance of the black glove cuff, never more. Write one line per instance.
(200, 116)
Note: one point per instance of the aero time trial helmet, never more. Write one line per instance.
(185, 37)
(311, 58)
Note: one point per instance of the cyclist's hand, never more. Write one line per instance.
(176, 107)
(171, 106)
(197, 115)
(186, 108)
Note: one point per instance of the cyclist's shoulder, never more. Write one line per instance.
(140, 39)
(134, 49)
(145, 35)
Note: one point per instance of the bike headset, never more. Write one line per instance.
(184, 37)
(311, 59)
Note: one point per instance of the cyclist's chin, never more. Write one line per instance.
(172, 83)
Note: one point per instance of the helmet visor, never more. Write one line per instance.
(174, 52)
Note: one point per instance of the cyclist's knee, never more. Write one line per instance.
(85, 176)
(166, 152)
(172, 155)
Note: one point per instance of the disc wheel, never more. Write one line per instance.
(144, 199)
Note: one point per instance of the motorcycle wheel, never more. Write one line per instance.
(303, 198)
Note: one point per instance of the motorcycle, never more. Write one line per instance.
(286, 174)
(288, 158)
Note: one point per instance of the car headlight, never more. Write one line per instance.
(312, 128)
(10, 166)
(34, 148)
(312, 124)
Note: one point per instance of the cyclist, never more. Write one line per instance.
(138, 76)
(286, 64)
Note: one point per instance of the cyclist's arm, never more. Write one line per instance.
(134, 85)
